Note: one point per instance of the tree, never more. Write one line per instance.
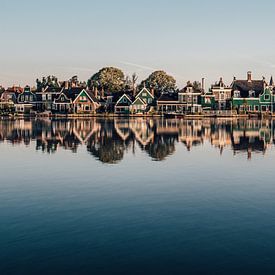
(49, 81)
(160, 82)
(108, 79)
(197, 85)
(130, 83)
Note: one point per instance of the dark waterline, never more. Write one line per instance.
(137, 196)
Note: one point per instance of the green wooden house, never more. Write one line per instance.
(254, 96)
(142, 102)
(265, 102)
(123, 104)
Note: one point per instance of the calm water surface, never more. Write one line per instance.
(139, 196)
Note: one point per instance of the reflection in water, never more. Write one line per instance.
(108, 140)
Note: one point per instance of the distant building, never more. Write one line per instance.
(186, 101)
(252, 95)
(190, 97)
(142, 102)
(76, 100)
(222, 95)
(26, 101)
(123, 104)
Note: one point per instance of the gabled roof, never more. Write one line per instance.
(15, 89)
(120, 103)
(141, 101)
(74, 93)
(58, 99)
(144, 90)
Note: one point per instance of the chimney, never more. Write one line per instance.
(153, 92)
(66, 85)
(249, 76)
(203, 84)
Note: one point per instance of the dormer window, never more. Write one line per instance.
(237, 94)
(251, 93)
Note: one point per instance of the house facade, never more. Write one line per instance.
(46, 96)
(253, 96)
(123, 105)
(76, 100)
(142, 102)
(190, 98)
(222, 95)
(26, 101)
(186, 101)
(8, 98)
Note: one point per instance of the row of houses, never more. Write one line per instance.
(249, 95)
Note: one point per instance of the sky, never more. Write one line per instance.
(187, 39)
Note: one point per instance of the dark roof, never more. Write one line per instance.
(53, 90)
(125, 104)
(244, 86)
(190, 85)
(15, 89)
(72, 93)
(219, 84)
(168, 97)
(271, 82)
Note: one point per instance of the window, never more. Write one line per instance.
(31, 98)
(256, 108)
(237, 94)
(149, 100)
(266, 97)
(144, 94)
(263, 108)
(49, 97)
(27, 98)
(251, 93)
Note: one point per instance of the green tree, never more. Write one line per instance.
(160, 82)
(49, 81)
(108, 79)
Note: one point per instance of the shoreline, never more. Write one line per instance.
(111, 115)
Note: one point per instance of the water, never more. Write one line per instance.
(142, 196)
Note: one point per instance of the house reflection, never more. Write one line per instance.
(110, 139)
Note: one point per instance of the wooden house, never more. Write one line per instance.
(76, 100)
(26, 101)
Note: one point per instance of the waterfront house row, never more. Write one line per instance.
(242, 96)
(55, 100)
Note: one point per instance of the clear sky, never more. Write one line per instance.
(188, 39)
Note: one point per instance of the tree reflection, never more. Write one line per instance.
(108, 140)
